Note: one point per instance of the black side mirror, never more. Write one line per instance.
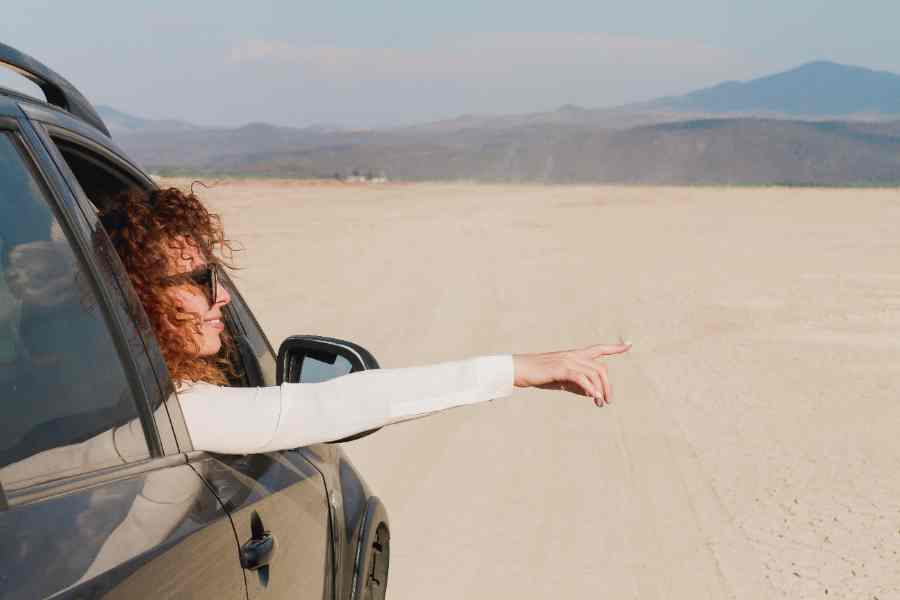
(314, 358)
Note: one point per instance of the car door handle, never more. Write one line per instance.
(258, 552)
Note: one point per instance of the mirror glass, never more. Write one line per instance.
(322, 367)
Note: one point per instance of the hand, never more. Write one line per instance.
(576, 371)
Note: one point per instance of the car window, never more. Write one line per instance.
(100, 180)
(96, 175)
(67, 405)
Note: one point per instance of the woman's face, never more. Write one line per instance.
(184, 258)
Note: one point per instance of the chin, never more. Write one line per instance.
(211, 347)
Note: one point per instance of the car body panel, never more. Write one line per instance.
(160, 533)
(290, 501)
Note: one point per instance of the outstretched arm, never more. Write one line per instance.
(249, 420)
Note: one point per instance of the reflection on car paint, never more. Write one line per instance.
(107, 538)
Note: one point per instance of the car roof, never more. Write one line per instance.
(58, 91)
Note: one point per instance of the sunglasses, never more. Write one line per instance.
(206, 278)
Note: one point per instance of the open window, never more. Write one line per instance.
(100, 178)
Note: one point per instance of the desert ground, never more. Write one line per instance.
(751, 449)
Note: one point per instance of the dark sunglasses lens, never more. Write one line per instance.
(207, 280)
(213, 284)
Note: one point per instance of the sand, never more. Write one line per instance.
(752, 447)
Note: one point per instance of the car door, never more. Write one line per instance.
(278, 492)
(95, 496)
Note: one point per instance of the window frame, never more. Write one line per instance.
(150, 363)
(23, 138)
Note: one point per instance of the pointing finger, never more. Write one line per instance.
(607, 349)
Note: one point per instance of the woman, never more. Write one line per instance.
(172, 247)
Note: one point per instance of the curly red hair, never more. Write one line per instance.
(142, 225)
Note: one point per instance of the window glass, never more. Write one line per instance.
(314, 368)
(65, 402)
(12, 79)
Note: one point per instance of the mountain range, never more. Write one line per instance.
(816, 89)
(820, 123)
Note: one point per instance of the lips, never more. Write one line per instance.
(215, 323)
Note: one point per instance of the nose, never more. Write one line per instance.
(222, 295)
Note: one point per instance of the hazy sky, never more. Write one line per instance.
(393, 62)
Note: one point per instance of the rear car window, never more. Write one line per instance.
(100, 180)
(65, 401)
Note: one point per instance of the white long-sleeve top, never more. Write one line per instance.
(249, 420)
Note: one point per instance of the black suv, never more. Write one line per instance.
(79, 362)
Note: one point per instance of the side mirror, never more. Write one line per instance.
(313, 358)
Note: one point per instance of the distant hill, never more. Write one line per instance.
(819, 88)
(223, 150)
(607, 118)
(118, 122)
(707, 151)
(732, 133)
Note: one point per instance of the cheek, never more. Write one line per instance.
(189, 301)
